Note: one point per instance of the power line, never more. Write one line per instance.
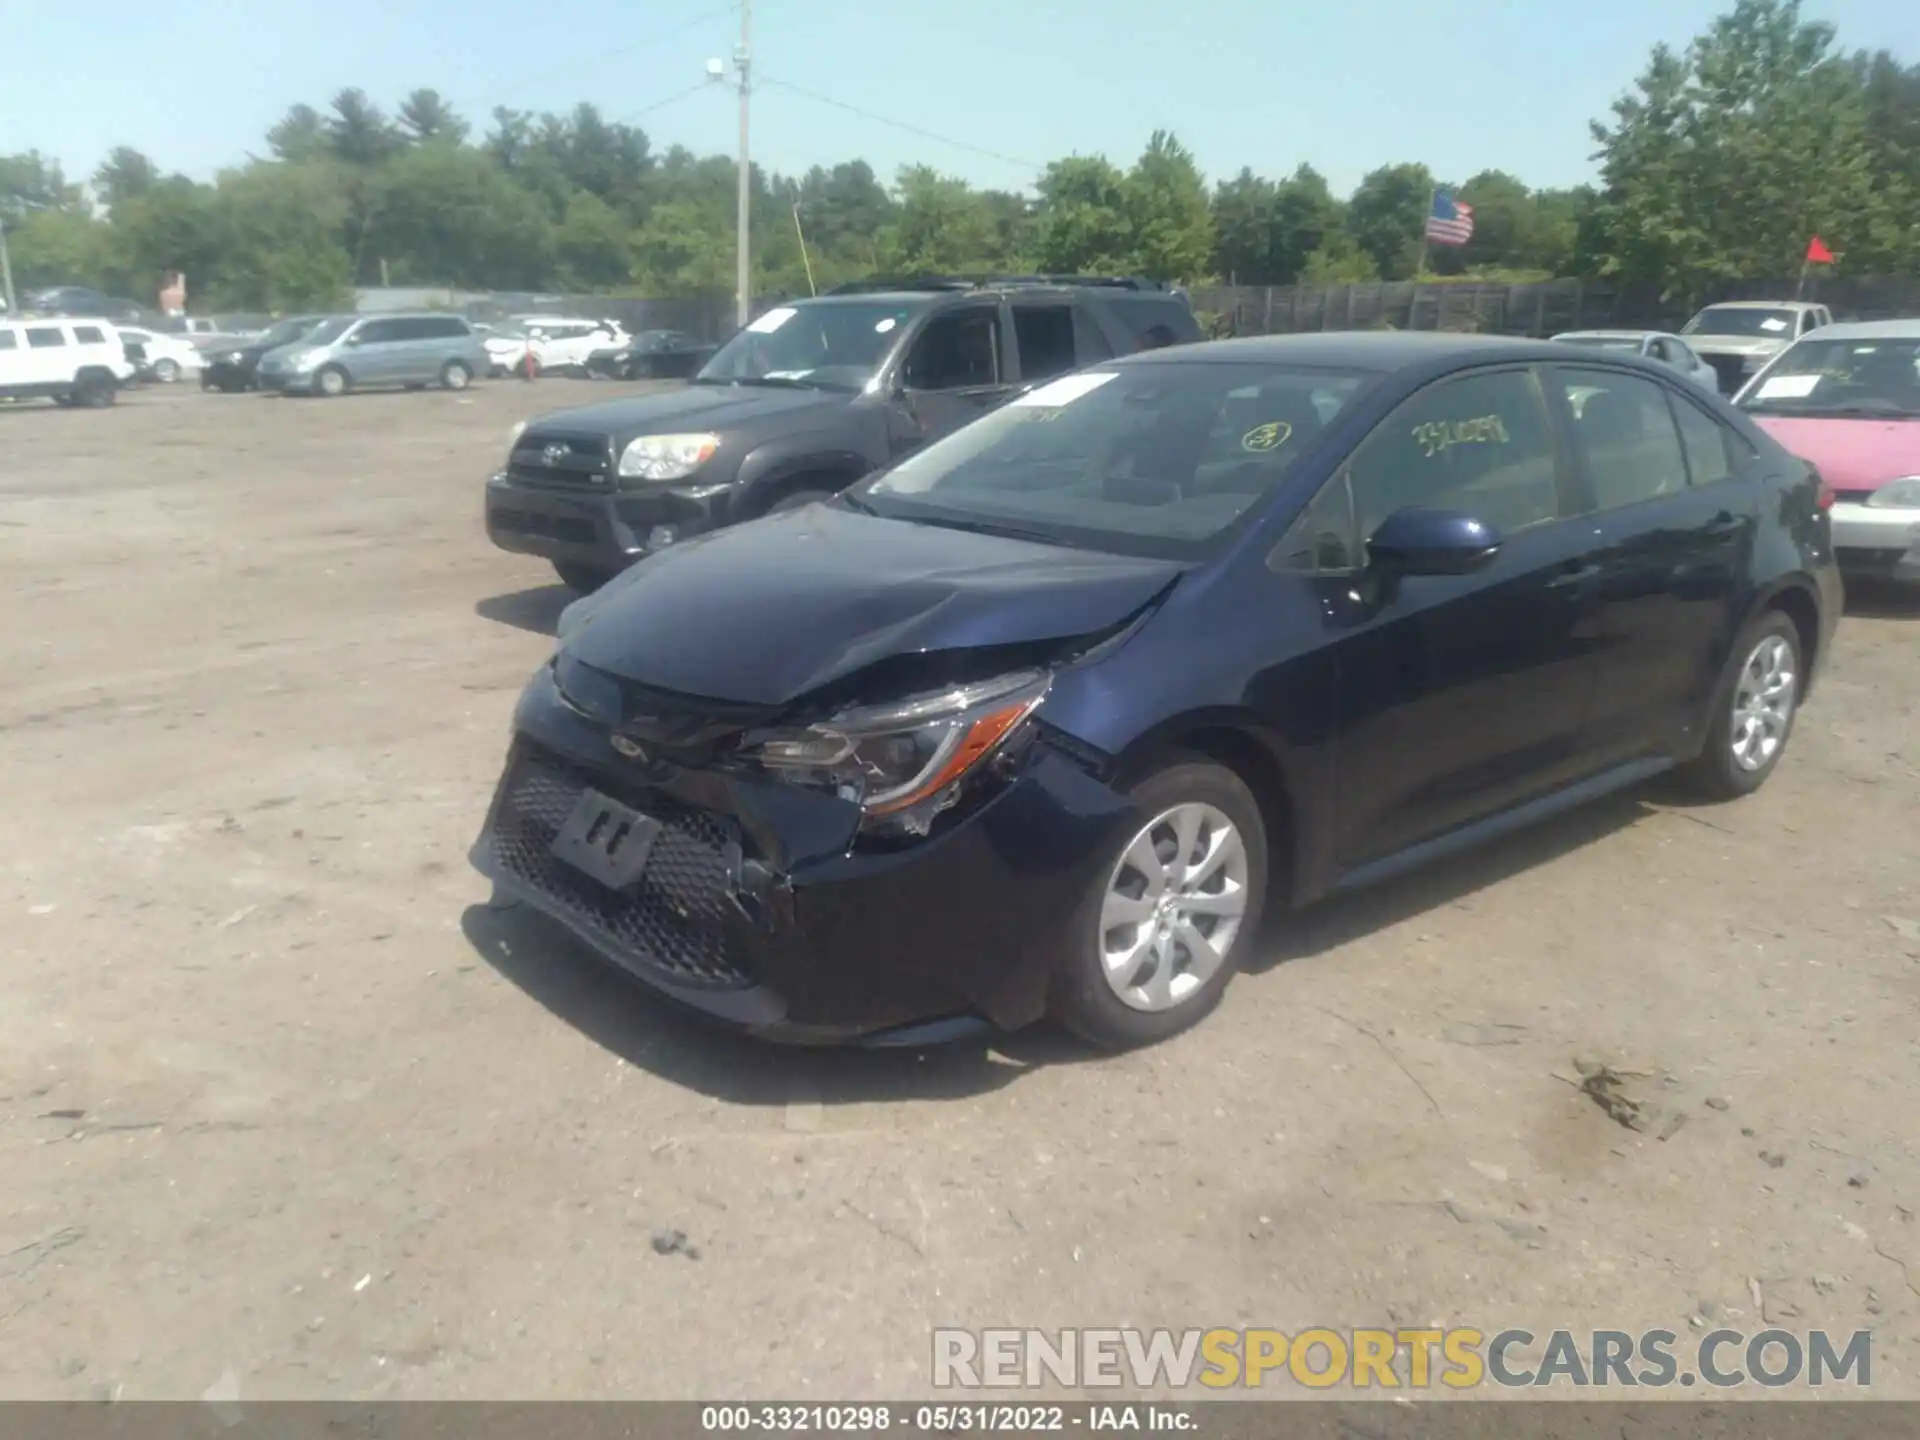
(667, 34)
(665, 101)
(925, 134)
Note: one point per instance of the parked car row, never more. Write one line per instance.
(974, 656)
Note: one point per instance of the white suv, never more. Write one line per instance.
(70, 361)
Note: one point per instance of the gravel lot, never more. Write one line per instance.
(285, 1106)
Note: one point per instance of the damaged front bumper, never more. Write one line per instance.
(756, 908)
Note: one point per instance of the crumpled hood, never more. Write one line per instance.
(1849, 453)
(705, 407)
(763, 613)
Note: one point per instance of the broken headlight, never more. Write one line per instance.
(903, 763)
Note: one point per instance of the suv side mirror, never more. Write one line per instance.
(1419, 541)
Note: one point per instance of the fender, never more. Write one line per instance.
(789, 455)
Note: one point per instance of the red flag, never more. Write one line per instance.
(1817, 252)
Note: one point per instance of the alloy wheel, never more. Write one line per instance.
(1173, 907)
(1763, 701)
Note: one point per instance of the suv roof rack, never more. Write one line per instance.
(951, 283)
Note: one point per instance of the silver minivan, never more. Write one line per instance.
(367, 351)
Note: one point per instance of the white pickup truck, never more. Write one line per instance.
(1740, 336)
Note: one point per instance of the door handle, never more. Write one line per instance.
(1572, 576)
(1723, 526)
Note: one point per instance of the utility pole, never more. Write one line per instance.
(743, 64)
(6, 271)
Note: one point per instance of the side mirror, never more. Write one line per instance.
(1419, 541)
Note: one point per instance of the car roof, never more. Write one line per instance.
(1610, 334)
(1762, 305)
(1868, 330)
(1379, 350)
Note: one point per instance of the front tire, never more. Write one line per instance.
(455, 376)
(585, 579)
(166, 371)
(1170, 918)
(1754, 708)
(330, 382)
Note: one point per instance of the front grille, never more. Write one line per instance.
(553, 527)
(672, 920)
(570, 462)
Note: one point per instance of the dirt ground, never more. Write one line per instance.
(286, 1109)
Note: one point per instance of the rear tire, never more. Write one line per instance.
(1754, 708)
(94, 392)
(583, 578)
(166, 371)
(331, 382)
(1126, 984)
(455, 376)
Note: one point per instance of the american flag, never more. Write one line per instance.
(1449, 222)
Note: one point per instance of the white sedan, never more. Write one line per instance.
(167, 357)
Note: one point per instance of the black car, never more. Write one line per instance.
(234, 367)
(650, 355)
(1043, 718)
(797, 406)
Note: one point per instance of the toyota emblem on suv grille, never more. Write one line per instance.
(554, 454)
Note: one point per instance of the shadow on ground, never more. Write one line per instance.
(537, 609)
(621, 1015)
(1882, 600)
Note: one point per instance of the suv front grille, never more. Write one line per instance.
(672, 921)
(565, 461)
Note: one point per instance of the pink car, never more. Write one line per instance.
(1846, 398)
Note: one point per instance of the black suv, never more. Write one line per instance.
(801, 403)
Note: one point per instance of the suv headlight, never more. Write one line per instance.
(667, 457)
(1902, 494)
(903, 763)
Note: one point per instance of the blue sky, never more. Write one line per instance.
(1459, 84)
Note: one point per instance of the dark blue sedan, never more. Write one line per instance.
(1043, 719)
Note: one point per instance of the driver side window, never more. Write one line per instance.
(1479, 445)
(957, 351)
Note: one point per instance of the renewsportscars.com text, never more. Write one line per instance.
(1458, 1359)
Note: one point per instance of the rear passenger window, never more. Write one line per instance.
(1479, 445)
(1626, 434)
(1713, 451)
(88, 335)
(1155, 321)
(1044, 334)
(8, 340)
(48, 338)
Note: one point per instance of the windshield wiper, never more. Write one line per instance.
(994, 527)
(853, 502)
(1889, 409)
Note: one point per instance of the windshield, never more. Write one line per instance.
(1143, 459)
(835, 345)
(1841, 377)
(285, 333)
(1600, 342)
(1731, 320)
(328, 330)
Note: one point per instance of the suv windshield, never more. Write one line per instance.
(328, 330)
(830, 344)
(1732, 320)
(285, 332)
(1841, 378)
(1151, 459)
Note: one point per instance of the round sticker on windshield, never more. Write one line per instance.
(1270, 436)
(881, 327)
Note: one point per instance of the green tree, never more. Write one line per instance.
(123, 175)
(1082, 222)
(57, 247)
(1165, 199)
(176, 225)
(32, 181)
(426, 117)
(281, 225)
(299, 135)
(1387, 215)
(593, 245)
(446, 215)
(358, 130)
(939, 226)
